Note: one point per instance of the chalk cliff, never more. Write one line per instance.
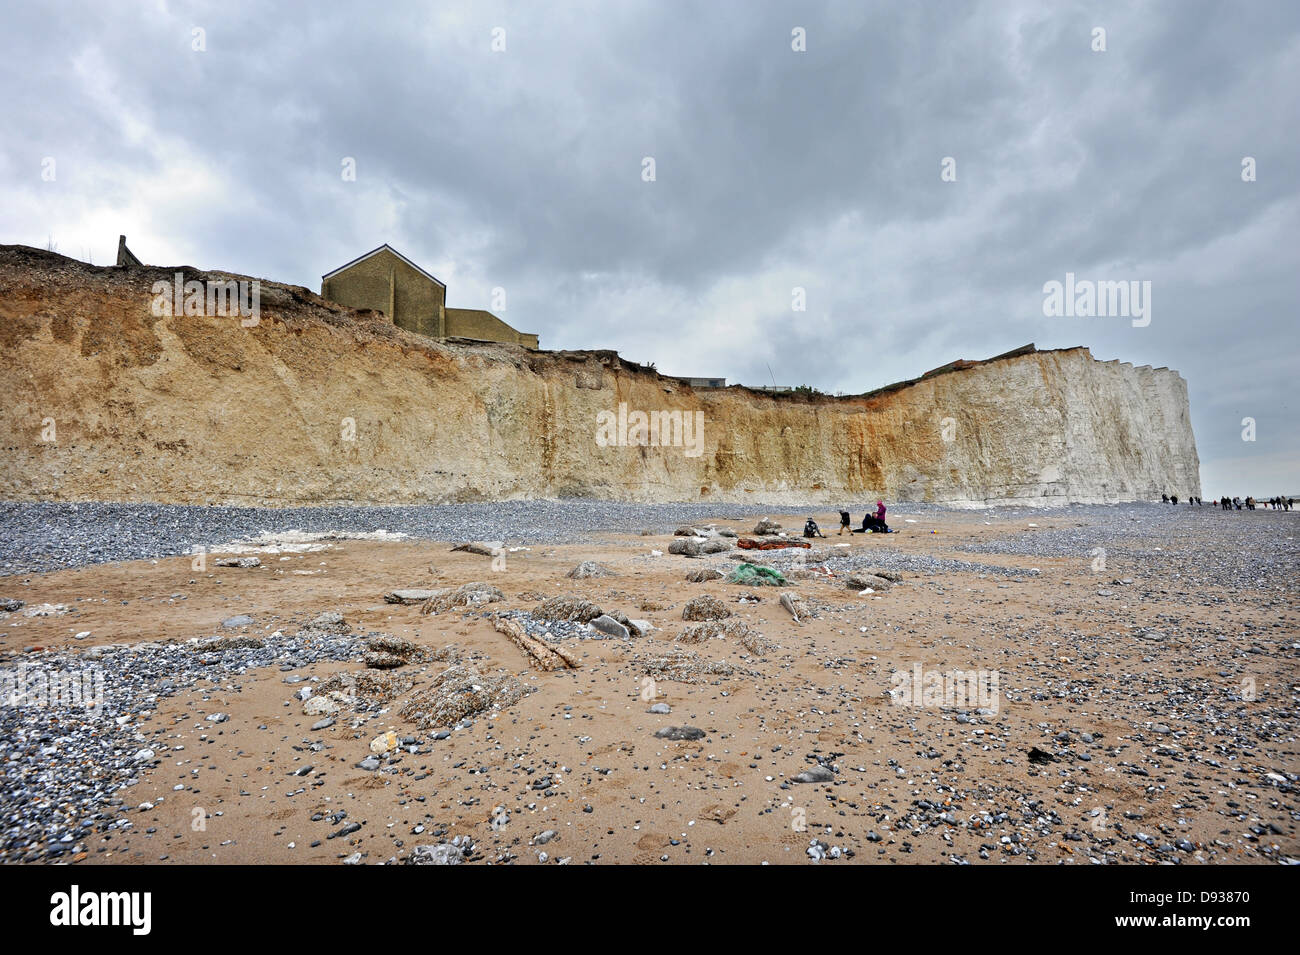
(315, 403)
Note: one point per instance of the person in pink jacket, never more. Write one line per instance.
(875, 525)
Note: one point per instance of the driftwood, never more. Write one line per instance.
(746, 543)
(483, 548)
(547, 655)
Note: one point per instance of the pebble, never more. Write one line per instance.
(815, 774)
(680, 733)
(37, 536)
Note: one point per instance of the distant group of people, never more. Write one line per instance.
(1278, 503)
(871, 524)
(875, 523)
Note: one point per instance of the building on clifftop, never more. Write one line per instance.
(387, 281)
(124, 255)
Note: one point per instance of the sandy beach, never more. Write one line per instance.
(1130, 709)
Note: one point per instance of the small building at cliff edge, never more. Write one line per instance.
(385, 280)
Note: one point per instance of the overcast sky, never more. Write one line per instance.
(524, 168)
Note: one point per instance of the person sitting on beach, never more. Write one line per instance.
(875, 524)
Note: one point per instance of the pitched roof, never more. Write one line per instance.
(362, 258)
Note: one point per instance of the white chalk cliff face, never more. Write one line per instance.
(317, 403)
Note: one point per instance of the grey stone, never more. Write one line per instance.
(607, 624)
(589, 568)
(409, 595)
(680, 733)
(331, 621)
(815, 774)
(703, 575)
(863, 581)
(443, 854)
(687, 546)
(238, 562)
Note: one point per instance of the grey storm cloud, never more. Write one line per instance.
(820, 169)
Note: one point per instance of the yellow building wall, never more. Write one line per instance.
(481, 324)
(387, 284)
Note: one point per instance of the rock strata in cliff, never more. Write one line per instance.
(315, 403)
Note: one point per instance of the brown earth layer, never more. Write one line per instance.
(318, 403)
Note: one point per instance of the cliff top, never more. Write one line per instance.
(296, 306)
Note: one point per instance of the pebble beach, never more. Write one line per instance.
(254, 688)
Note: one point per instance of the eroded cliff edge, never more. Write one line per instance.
(318, 403)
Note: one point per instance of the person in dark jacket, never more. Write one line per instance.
(875, 524)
